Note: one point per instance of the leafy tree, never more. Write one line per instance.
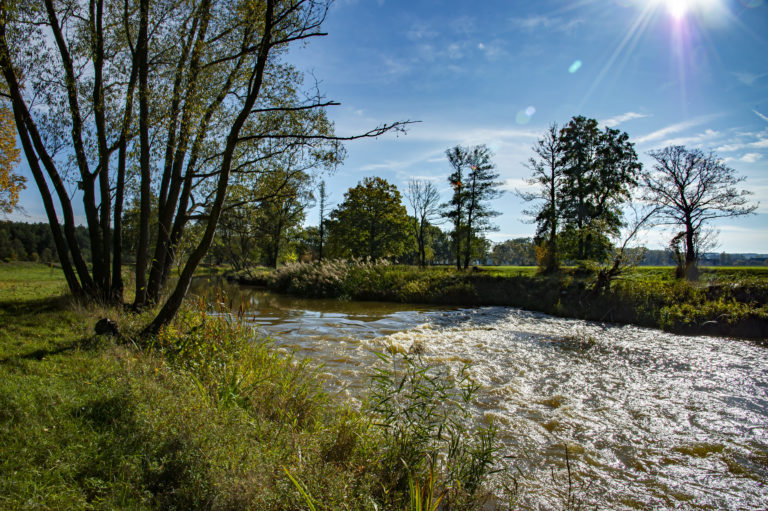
(518, 252)
(10, 184)
(474, 184)
(371, 221)
(178, 96)
(599, 170)
(424, 199)
(547, 170)
(689, 189)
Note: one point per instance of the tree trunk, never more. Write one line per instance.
(142, 252)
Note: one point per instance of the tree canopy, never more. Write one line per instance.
(599, 170)
(10, 183)
(371, 221)
(474, 185)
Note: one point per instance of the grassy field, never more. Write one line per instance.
(205, 417)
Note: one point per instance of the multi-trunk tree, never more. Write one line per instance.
(177, 96)
(583, 176)
(474, 185)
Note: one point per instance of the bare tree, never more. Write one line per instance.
(689, 189)
(425, 200)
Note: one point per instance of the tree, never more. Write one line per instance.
(689, 189)
(321, 228)
(370, 222)
(221, 99)
(424, 199)
(599, 170)
(10, 183)
(517, 252)
(546, 166)
(455, 209)
(474, 185)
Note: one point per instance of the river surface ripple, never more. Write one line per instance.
(651, 420)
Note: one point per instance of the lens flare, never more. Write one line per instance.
(575, 66)
(524, 116)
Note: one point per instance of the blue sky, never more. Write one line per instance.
(499, 72)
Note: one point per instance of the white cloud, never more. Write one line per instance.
(751, 157)
(692, 140)
(673, 128)
(762, 116)
(545, 22)
(612, 122)
(419, 31)
(748, 78)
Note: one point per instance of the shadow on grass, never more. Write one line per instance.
(162, 464)
(33, 306)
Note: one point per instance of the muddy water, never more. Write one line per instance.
(650, 420)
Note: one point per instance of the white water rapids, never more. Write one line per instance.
(651, 420)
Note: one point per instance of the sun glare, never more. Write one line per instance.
(677, 8)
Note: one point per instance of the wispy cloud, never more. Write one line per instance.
(751, 157)
(748, 79)
(762, 116)
(673, 128)
(612, 122)
(546, 22)
(419, 31)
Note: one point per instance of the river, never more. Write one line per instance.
(651, 420)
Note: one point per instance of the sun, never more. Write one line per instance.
(680, 9)
(677, 8)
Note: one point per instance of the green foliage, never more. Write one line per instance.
(208, 418)
(474, 185)
(599, 169)
(370, 222)
(424, 412)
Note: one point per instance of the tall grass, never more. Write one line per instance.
(207, 417)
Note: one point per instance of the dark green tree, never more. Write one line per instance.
(371, 222)
(599, 170)
(474, 185)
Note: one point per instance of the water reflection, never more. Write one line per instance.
(651, 420)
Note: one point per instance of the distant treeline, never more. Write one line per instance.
(21, 241)
(522, 252)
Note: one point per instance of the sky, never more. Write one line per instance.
(499, 72)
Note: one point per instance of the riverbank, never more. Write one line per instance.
(729, 304)
(204, 417)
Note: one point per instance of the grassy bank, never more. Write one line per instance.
(727, 302)
(206, 417)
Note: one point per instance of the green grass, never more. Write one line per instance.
(205, 417)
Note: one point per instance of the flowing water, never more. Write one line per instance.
(650, 420)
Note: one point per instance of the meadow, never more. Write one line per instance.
(209, 416)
